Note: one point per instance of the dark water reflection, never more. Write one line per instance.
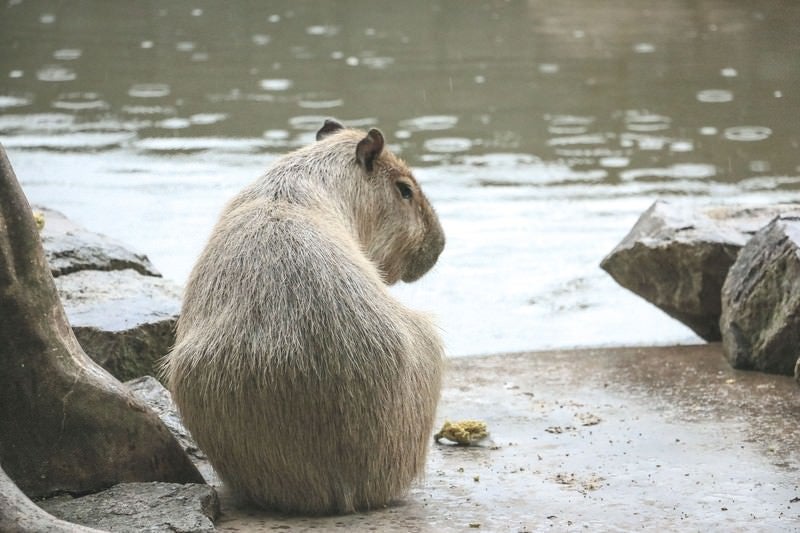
(541, 128)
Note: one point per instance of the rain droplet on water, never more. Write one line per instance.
(277, 84)
(67, 54)
(261, 39)
(148, 90)
(747, 133)
(644, 48)
(54, 73)
(715, 96)
(448, 144)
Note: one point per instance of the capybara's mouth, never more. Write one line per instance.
(424, 260)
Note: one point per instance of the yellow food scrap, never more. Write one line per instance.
(463, 432)
(38, 217)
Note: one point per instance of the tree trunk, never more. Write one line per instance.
(18, 514)
(66, 425)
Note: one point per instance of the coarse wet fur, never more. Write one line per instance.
(310, 388)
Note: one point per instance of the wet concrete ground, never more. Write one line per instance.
(599, 440)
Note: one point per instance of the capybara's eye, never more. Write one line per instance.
(405, 190)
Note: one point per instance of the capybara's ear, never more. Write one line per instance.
(369, 149)
(330, 126)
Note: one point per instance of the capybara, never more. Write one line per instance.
(309, 386)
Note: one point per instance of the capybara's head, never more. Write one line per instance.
(396, 224)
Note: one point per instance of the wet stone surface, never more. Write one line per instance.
(123, 320)
(761, 300)
(121, 310)
(593, 440)
(677, 257)
(138, 507)
(70, 247)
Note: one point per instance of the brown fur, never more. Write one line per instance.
(310, 388)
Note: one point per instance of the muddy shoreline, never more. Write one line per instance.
(612, 438)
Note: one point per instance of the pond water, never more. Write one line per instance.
(540, 130)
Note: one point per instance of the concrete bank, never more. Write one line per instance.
(601, 440)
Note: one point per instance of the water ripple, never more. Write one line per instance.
(73, 142)
(448, 144)
(595, 138)
(715, 96)
(7, 101)
(149, 90)
(67, 54)
(197, 144)
(278, 84)
(323, 30)
(747, 133)
(430, 123)
(80, 102)
(307, 122)
(678, 171)
(37, 122)
(55, 73)
(174, 123)
(315, 101)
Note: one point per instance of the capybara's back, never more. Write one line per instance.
(309, 387)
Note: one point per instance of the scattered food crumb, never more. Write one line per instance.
(564, 479)
(475, 525)
(559, 429)
(476, 479)
(592, 482)
(588, 419)
(38, 217)
(463, 432)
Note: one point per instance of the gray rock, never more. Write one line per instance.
(69, 247)
(761, 301)
(123, 320)
(141, 507)
(151, 392)
(122, 311)
(676, 257)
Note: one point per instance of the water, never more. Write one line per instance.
(540, 130)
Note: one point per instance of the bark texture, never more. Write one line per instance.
(66, 425)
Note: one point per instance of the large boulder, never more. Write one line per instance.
(124, 320)
(761, 301)
(70, 247)
(122, 311)
(136, 507)
(677, 256)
